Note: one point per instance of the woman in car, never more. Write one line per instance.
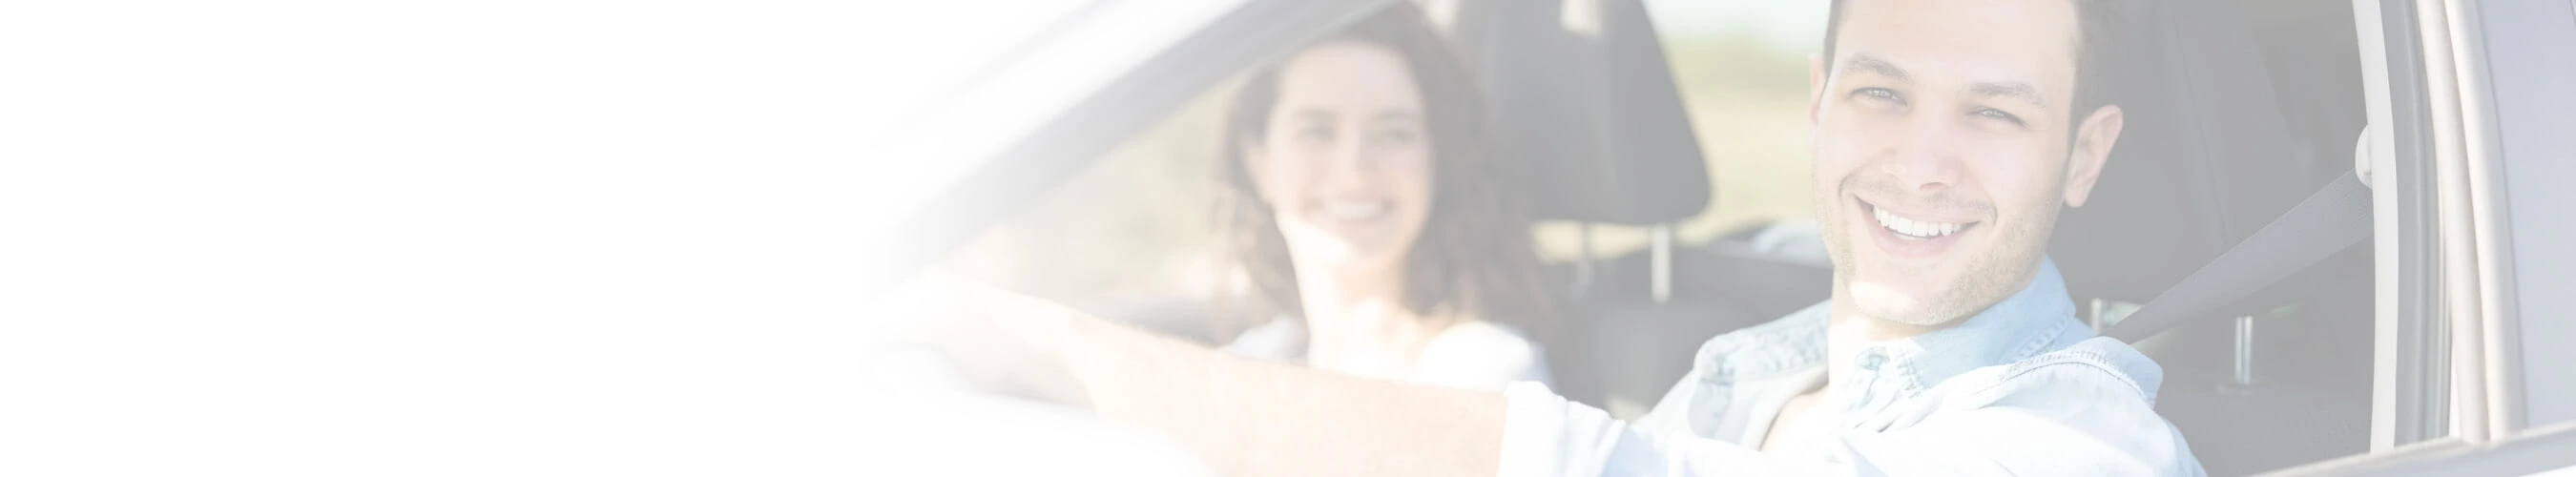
(1367, 210)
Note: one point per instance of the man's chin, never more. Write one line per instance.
(1898, 304)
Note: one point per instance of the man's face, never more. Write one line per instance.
(1942, 151)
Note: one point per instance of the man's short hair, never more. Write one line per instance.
(2096, 45)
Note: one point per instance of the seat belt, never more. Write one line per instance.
(2329, 221)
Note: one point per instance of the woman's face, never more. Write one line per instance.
(1346, 161)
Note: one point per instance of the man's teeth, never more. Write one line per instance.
(1354, 210)
(1914, 229)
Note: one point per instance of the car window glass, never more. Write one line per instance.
(1129, 233)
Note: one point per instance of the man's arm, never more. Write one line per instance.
(1256, 418)
(1245, 417)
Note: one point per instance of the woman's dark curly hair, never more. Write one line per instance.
(1474, 257)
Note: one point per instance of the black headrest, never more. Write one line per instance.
(1593, 116)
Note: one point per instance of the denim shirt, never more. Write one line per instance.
(2021, 388)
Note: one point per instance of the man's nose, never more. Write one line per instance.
(1927, 160)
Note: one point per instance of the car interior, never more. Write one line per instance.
(2240, 111)
(2237, 112)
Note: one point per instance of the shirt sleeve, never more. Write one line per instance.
(2059, 419)
(1546, 436)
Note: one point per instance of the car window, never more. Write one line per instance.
(1129, 233)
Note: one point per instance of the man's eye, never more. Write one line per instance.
(1883, 95)
(1999, 115)
(1397, 137)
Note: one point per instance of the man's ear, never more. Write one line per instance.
(2092, 148)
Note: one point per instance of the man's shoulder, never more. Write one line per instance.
(2097, 365)
(2098, 387)
(1790, 343)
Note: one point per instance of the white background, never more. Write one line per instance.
(451, 238)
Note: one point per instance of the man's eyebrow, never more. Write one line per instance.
(1861, 62)
(2020, 91)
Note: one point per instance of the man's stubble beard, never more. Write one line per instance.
(1996, 274)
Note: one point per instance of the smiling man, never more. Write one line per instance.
(1947, 135)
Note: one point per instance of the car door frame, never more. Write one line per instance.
(2470, 139)
(1254, 33)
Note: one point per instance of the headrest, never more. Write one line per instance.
(1590, 112)
(2206, 157)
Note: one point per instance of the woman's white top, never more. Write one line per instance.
(1471, 355)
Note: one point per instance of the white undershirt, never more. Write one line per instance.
(1471, 355)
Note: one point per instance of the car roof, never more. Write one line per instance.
(976, 87)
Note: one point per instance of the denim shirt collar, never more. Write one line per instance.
(1744, 380)
(2022, 325)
